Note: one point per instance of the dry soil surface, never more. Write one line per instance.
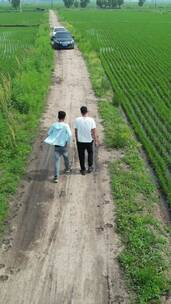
(62, 247)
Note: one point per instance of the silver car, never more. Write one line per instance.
(58, 29)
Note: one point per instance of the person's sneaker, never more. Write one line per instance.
(55, 179)
(83, 172)
(90, 169)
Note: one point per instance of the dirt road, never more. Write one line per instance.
(62, 247)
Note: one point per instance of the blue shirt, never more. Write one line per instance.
(59, 134)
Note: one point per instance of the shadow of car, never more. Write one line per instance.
(62, 40)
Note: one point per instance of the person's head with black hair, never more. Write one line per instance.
(83, 110)
(61, 115)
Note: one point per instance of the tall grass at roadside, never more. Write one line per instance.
(22, 104)
(145, 259)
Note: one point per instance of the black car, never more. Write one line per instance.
(62, 40)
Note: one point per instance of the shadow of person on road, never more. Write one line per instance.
(39, 175)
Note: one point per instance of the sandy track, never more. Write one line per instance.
(62, 248)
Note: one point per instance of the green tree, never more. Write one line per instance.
(113, 3)
(120, 2)
(68, 3)
(76, 3)
(83, 3)
(109, 3)
(15, 3)
(141, 2)
(99, 3)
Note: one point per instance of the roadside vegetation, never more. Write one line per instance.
(26, 59)
(145, 259)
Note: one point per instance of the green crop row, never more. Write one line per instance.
(16, 42)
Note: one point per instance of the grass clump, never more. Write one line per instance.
(117, 134)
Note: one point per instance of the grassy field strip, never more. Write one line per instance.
(16, 18)
(26, 60)
(145, 259)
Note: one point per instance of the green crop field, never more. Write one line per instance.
(15, 42)
(24, 18)
(135, 50)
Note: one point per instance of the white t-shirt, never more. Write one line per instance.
(84, 125)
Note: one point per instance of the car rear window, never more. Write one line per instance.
(63, 35)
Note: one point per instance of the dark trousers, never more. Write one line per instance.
(82, 147)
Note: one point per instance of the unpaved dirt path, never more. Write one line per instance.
(61, 247)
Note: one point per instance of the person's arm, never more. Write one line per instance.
(76, 135)
(50, 130)
(49, 140)
(76, 131)
(69, 135)
(95, 137)
(94, 133)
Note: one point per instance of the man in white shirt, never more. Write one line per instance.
(85, 133)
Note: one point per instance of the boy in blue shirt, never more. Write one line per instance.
(59, 135)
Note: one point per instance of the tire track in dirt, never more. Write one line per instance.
(63, 248)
